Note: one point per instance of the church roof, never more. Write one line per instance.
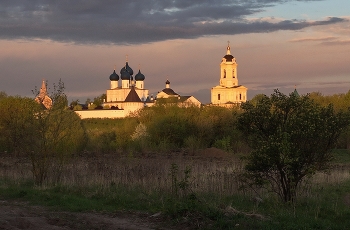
(183, 98)
(132, 96)
(169, 91)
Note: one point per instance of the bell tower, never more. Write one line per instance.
(228, 93)
(228, 68)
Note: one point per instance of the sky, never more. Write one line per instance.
(278, 44)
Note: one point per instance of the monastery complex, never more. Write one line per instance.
(128, 94)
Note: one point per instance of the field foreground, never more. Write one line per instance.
(154, 191)
(20, 215)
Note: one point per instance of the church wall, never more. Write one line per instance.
(117, 94)
(228, 95)
(106, 113)
(131, 107)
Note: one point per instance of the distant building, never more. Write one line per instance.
(122, 99)
(43, 97)
(131, 95)
(168, 95)
(228, 93)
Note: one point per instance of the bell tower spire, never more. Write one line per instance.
(228, 52)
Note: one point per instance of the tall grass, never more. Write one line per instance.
(152, 173)
(206, 193)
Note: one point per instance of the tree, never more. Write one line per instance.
(2, 95)
(98, 101)
(44, 135)
(17, 123)
(291, 138)
(58, 134)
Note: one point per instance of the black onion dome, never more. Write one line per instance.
(139, 76)
(114, 76)
(167, 82)
(127, 68)
(228, 57)
(124, 75)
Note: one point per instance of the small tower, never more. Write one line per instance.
(43, 97)
(114, 78)
(139, 79)
(167, 84)
(126, 75)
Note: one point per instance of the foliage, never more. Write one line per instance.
(192, 127)
(58, 135)
(2, 95)
(59, 98)
(98, 101)
(46, 136)
(291, 138)
(140, 132)
(17, 123)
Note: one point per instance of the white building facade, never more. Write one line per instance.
(228, 92)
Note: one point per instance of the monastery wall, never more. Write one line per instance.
(104, 113)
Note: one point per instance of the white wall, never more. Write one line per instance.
(105, 113)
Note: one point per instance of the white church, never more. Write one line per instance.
(127, 93)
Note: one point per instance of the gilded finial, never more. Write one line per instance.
(228, 48)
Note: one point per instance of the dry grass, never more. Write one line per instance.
(212, 171)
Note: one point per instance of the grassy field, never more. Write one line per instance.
(199, 191)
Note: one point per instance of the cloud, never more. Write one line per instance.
(337, 43)
(321, 39)
(134, 22)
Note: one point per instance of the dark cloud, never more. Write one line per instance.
(135, 21)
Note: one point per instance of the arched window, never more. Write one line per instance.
(233, 73)
(224, 73)
(219, 97)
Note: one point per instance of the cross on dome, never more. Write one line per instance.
(228, 48)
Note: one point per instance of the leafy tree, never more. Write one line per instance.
(2, 95)
(291, 138)
(98, 101)
(88, 101)
(256, 98)
(17, 123)
(45, 135)
(57, 135)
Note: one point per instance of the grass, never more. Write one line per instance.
(207, 197)
(206, 211)
(341, 156)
